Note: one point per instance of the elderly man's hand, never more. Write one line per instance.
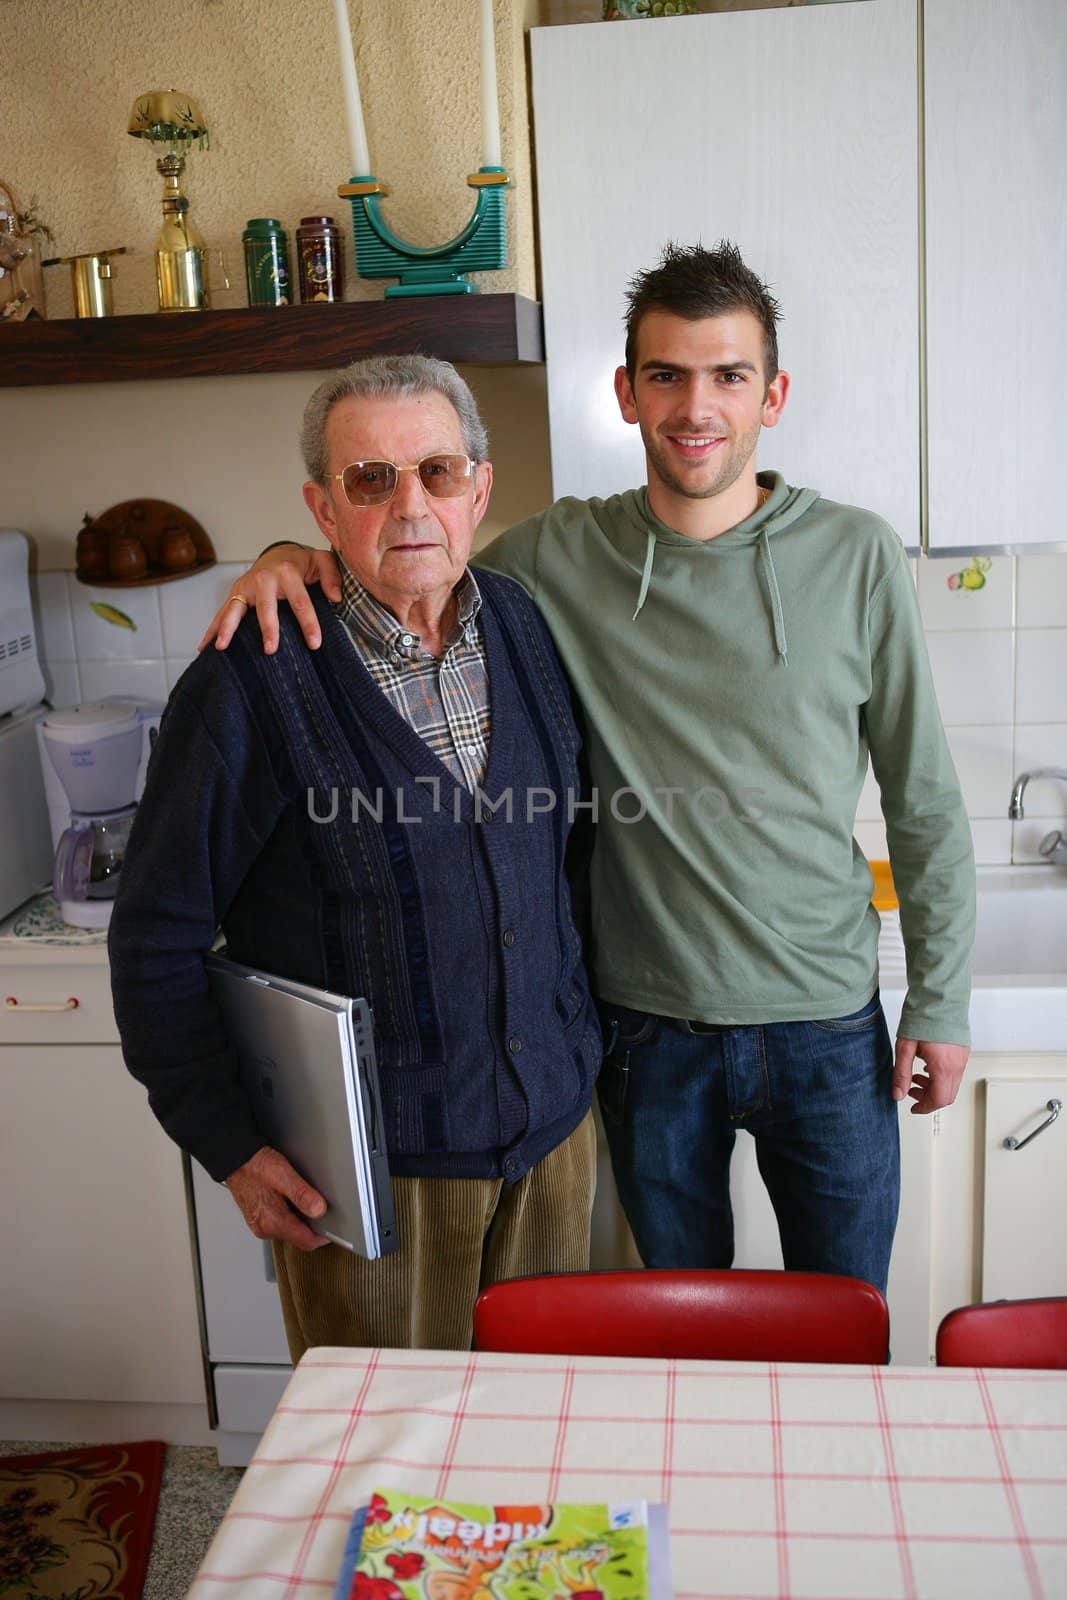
(267, 1189)
(938, 1087)
(281, 573)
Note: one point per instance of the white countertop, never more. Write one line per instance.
(66, 947)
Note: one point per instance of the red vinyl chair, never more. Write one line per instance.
(1005, 1333)
(722, 1315)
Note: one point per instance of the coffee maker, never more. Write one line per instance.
(93, 758)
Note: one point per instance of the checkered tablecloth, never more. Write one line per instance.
(813, 1483)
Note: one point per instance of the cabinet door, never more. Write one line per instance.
(1023, 1252)
(996, 129)
(97, 1279)
(792, 132)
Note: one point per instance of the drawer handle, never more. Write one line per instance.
(70, 1004)
(1052, 1106)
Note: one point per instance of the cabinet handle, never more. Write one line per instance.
(70, 1004)
(1054, 1107)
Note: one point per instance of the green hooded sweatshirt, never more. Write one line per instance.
(732, 691)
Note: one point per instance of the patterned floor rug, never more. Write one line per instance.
(77, 1524)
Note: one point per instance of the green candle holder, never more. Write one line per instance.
(481, 246)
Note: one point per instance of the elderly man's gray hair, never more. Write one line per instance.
(390, 376)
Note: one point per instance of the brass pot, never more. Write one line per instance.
(91, 280)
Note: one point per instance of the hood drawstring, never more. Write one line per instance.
(646, 575)
(777, 614)
(776, 598)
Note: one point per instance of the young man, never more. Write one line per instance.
(739, 647)
(325, 810)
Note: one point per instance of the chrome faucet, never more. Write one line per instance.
(1053, 846)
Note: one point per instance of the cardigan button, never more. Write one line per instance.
(510, 1166)
(514, 1044)
(508, 937)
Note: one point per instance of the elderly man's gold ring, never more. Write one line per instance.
(242, 599)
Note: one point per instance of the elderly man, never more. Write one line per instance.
(432, 697)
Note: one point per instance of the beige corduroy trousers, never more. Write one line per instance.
(457, 1236)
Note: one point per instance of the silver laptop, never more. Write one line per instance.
(308, 1067)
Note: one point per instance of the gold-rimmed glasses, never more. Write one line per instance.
(373, 483)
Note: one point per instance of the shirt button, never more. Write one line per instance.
(508, 937)
(407, 638)
(514, 1044)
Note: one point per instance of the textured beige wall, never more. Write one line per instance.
(266, 76)
(265, 73)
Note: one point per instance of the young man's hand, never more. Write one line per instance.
(939, 1085)
(270, 1193)
(281, 573)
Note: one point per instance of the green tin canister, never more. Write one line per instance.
(266, 262)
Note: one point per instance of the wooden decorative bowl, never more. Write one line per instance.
(174, 545)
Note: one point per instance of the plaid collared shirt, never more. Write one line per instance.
(446, 699)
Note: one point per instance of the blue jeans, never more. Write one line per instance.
(816, 1097)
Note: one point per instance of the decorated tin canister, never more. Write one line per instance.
(320, 259)
(266, 262)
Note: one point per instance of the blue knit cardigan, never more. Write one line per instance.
(452, 920)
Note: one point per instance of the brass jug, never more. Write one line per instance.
(181, 255)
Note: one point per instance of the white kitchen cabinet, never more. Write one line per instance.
(99, 1304)
(962, 1134)
(792, 132)
(795, 132)
(996, 130)
(1023, 1246)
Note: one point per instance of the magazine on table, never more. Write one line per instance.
(407, 1547)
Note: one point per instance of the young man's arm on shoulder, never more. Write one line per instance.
(930, 847)
(283, 571)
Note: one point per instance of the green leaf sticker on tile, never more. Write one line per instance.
(112, 614)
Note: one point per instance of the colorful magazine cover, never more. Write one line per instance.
(418, 1549)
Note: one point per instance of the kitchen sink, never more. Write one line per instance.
(1019, 999)
(1022, 922)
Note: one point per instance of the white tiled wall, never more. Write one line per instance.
(86, 655)
(999, 657)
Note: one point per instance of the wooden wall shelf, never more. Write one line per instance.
(482, 329)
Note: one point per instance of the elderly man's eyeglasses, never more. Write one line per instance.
(373, 483)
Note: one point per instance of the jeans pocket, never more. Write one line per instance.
(623, 1028)
(866, 1017)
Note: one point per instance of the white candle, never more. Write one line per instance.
(490, 110)
(357, 133)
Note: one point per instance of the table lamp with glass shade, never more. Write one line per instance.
(172, 118)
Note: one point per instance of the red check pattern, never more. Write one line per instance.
(784, 1482)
